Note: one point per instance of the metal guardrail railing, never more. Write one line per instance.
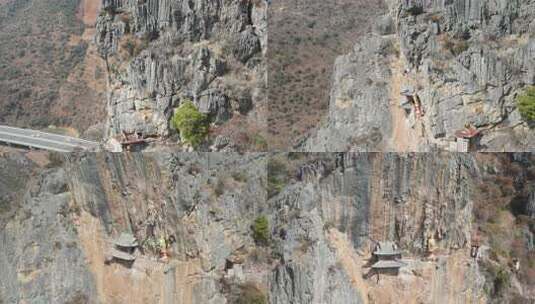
(42, 140)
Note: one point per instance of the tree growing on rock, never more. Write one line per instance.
(526, 104)
(191, 124)
(261, 230)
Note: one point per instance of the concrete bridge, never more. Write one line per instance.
(47, 141)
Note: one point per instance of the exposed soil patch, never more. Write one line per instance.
(88, 11)
(404, 138)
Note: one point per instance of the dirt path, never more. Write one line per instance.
(88, 11)
(349, 260)
(404, 138)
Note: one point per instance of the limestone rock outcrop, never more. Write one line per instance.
(194, 217)
(160, 53)
(466, 60)
(51, 271)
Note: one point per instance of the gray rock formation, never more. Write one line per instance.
(198, 199)
(467, 60)
(41, 258)
(425, 202)
(160, 53)
(359, 116)
(313, 277)
(202, 206)
(350, 195)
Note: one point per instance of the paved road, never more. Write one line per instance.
(43, 140)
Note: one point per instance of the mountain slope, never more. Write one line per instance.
(49, 75)
(305, 37)
(163, 54)
(467, 61)
(281, 228)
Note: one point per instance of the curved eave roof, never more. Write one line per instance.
(122, 255)
(387, 264)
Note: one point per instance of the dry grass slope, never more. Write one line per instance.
(41, 54)
(305, 37)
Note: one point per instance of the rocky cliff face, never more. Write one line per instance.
(355, 199)
(341, 204)
(466, 60)
(35, 270)
(322, 223)
(197, 200)
(160, 53)
(66, 224)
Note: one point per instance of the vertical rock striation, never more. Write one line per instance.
(160, 53)
(466, 60)
(316, 247)
(41, 259)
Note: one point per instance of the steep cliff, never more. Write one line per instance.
(41, 256)
(283, 228)
(336, 206)
(466, 60)
(65, 227)
(161, 53)
(305, 37)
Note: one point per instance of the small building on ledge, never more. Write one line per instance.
(387, 258)
(388, 265)
(121, 255)
(123, 250)
(475, 243)
(132, 141)
(387, 251)
(412, 100)
(466, 139)
(126, 242)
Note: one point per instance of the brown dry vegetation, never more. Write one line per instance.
(305, 37)
(501, 219)
(246, 135)
(45, 77)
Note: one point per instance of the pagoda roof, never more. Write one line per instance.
(126, 240)
(122, 255)
(386, 248)
(385, 264)
(467, 133)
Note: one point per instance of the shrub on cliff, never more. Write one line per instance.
(250, 294)
(190, 123)
(278, 175)
(261, 230)
(502, 281)
(526, 104)
(455, 45)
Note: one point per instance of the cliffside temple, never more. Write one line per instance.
(387, 258)
(267, 151)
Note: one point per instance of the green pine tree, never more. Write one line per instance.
(190, 123)
(526, 104)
